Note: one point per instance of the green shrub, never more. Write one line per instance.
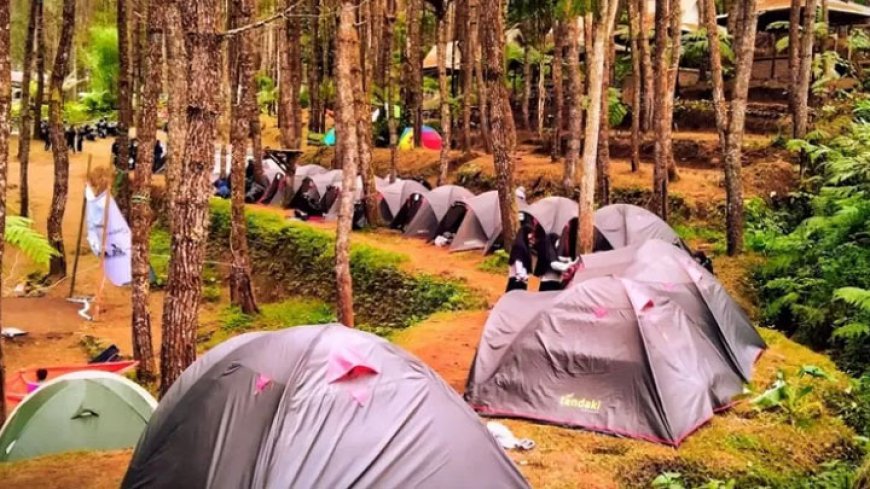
(811, 263)
(294, 259)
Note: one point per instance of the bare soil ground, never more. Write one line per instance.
(445, 341)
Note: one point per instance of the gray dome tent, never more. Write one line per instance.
(315, 407)
(621, 225)
(436, 204)
(396, 194)
(554, 214)
(305, 171)
(481, 228)
(644, 343)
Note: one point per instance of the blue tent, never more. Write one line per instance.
(329, 138)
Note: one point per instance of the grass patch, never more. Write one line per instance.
(695, 234)
(161, 247)
(292, 259)
(279, 315)
(497, 263)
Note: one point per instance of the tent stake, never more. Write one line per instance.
(72, 284)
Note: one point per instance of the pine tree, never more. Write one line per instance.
(5, 125)
(346, 62)
(26, 118)
(140, 209)
(57, 268)
(184, 287)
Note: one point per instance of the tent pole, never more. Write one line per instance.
(72, 284)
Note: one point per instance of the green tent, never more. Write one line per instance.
(86, 410)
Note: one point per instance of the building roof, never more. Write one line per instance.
(841, 6)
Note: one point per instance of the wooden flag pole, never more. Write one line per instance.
(75, 270)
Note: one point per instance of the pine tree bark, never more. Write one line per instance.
(745, 51)
(5, 128)
(482, 94)
(315, 73)
(634, 25)
(469, 64)
(805, 70)
(125, 104)
(662, 129)
(241, 285)
(575, 106)
(347, 63)
(527, 88)
(392, 81)
(541, 100)
(673, 78)
(415, 67)
(794, 56)
(601, 39)
(176, 57)
(39, 100)
(140, 210)
(26, 119)
(557, 72)
(647, 103)
(291, 82)
(720, 110)
(603, 163)
(363, 111)
(444, 95)
(57, 266)
(184, 288)
(500, 118)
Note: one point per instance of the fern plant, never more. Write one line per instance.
(21, 235)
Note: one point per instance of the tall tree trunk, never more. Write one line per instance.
(184, 288)
(469, 55)
(673, 79)
(558, 75)
(125, 104)
(5, 108)
(315, 73)
(291, 81)
(635, 31)
(720, 110)
(500, 118)
(57, 267)
(527, 88)
(391, 81)
(662, 129)
(347, 63)
(444, 95)
(575, 107)
(601, 39)
(363, 111)
(26, 118)
(805, 70)
(603, 169)
(482, 92)
(541, 99)
(794, 56)
(140, 210)
(256, 133)
(176, 56)
(647, 103)
(241, 288)
(415, 67)
(744, 52)
(40, 69)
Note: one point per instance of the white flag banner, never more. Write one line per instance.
(118, 240)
